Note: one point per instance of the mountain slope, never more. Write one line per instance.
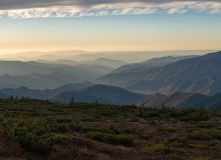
(150, 64)
(36, 75)
(26, 68)
(181, 100)
(43, 94)
(100, 93)
(200, 74)
(3, 96)
(107, 62)
(98, 62)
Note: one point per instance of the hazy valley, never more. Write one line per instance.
(113, 81)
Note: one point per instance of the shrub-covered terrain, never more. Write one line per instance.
(35, 129)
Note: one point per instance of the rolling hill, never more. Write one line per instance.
(99, 93)
(98, 62)
(182, 100)
(150, 64)
(42, 94)
(3, 96)
(106, 62)
(36, 75)
(27, 68)
(197, 75)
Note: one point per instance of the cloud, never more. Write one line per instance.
(24, 4)
(215, 11)
(79, 8)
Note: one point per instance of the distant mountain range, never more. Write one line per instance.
(3, 96)
(197, 75)
(149, 64)
(26, 68)
(98, 62)
(36, 75)
(182, 100)
(101, 94)
(77, 55)
(92, 93)
(185, 81)
(42, 94)
(82, 92)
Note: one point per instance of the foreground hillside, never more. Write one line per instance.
(34, 129)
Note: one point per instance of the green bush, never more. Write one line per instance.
(111, 138)
(167, 129)
(189, 115)
(149, 114)
(158, 148)
(92, 128)
(32, 134)
(63, 120)
(91, 119)
(204, 125)
(207, 135)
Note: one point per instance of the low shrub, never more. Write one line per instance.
(112, 138)
(207, 135)
(158, 148)
(32, 135)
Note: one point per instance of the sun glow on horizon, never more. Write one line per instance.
(167, 28)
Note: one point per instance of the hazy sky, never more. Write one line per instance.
(116, 25)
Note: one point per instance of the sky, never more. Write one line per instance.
(109, 25)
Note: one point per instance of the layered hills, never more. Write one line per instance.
(78, 55)
(150, 64)
(36, 75)
(99, 93)
(98, 62)
(197, 75)
(186, 81)
(181, 100)
(42, 94)
(82, 92)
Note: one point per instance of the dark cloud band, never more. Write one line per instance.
(24, 4)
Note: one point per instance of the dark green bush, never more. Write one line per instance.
(204, 124)
(158, 148)
(91, 119)
(189, 115)
(111, 138)
(32, 134)
(207, 135)
(149, 114)
(92, 128)
(63, 120)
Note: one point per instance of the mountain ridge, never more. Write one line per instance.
(200, 74)
(99, 93)
(43, 94)
(182, 100)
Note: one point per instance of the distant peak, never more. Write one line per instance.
(22, 88)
